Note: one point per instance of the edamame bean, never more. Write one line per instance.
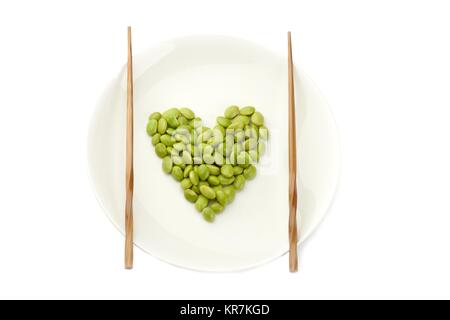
(187, 113)
(244, 120)
(224, 122)
(172, 112)
(221, 197)
(229, 193)
(195, 189)
(225, 181)
(250, 172)
(162, 126)
(187, 170)
(250, 144)
(243, 159)
(201, 203)
(193, 176)
(160, 150)
(186, 183)
(208, 159)
(227, 170)
(183, 121)
(247, 111)
(208, 192)
(261, 148)
(235, 126)
(179, 146)
(216, 207)
(221, 129)
(167, 164)
(152, 126)
(239, 182)
(239, 136)
(155, 116)
(156, 139)
(177, 160)
(231, 112)
(263, 133)
(203, 183)
(237, 170)
(218, 159)
(213, 180)
(215, 171)
(254, 155)
(172, 122)
(186, 157)
(190, 195)
(177, 173)
(208, 214)
(258, 119)
(203, 172)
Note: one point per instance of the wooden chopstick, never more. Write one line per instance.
(129, 174)
(293, 237)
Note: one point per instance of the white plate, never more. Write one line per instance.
(208, 73)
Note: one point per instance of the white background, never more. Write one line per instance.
(384, 67)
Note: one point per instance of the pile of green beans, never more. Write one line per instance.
(210, 164)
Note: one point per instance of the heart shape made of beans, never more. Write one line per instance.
(210, 164)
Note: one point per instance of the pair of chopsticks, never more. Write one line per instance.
(129, 174)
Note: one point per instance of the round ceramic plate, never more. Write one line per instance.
(207, 74)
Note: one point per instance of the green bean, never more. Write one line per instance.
(208, 192)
